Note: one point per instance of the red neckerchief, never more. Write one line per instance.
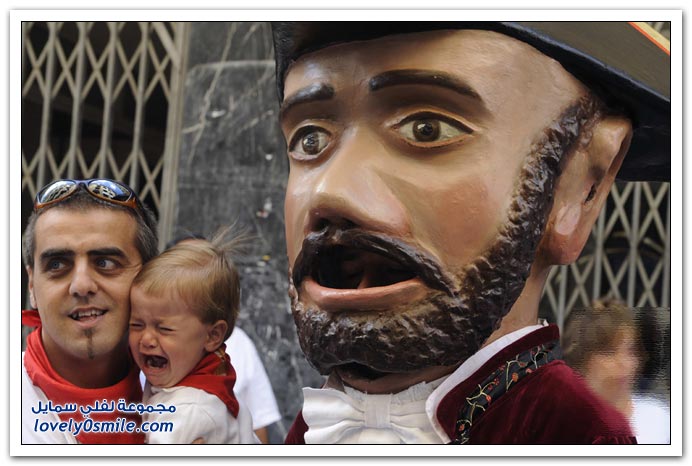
(215, 375)
(60, 392)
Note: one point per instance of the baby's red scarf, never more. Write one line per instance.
(215, 375)
(60, 392)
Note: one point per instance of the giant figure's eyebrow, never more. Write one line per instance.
(428, 77)
(311, 93)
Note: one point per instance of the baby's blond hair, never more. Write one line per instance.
(201, 273)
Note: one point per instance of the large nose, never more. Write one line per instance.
(357, 187)
(83, 282)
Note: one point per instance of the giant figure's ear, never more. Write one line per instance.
(582, 188)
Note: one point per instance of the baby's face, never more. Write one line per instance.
(167, 339)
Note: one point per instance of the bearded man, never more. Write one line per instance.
(437, 172)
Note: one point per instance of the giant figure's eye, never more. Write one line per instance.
(429, 129)
(308, 142)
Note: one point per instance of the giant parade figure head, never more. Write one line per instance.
(439, 170)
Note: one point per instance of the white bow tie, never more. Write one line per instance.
(333, 417)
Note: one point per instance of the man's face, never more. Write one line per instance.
(405, 156)
(84, 264)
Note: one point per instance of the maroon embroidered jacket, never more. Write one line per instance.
(549, 405)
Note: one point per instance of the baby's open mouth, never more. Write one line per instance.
(157, 362)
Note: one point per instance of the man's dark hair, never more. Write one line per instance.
(146, 240)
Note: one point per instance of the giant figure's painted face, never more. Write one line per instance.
(421, 171)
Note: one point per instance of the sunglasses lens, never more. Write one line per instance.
(56, 190)
(109, 190)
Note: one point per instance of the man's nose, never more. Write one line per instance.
(83, 282)
(356, 187)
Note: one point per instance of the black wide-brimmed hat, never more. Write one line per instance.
(625, 63)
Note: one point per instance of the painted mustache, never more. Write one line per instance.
(340, 258)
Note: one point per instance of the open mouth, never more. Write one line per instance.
(155, 362)
(86, 315)
(344, 267)
(355, 259)
(359, 270)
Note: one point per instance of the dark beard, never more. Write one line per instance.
(448, 326)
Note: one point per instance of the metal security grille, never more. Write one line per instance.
(102, 99)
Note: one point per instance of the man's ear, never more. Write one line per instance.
(215, 335)
(32, 299)
(582, 188)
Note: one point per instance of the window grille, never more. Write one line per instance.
(102, 99)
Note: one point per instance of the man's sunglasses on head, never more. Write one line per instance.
(113, 192)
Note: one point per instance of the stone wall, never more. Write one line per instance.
(233, 169)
